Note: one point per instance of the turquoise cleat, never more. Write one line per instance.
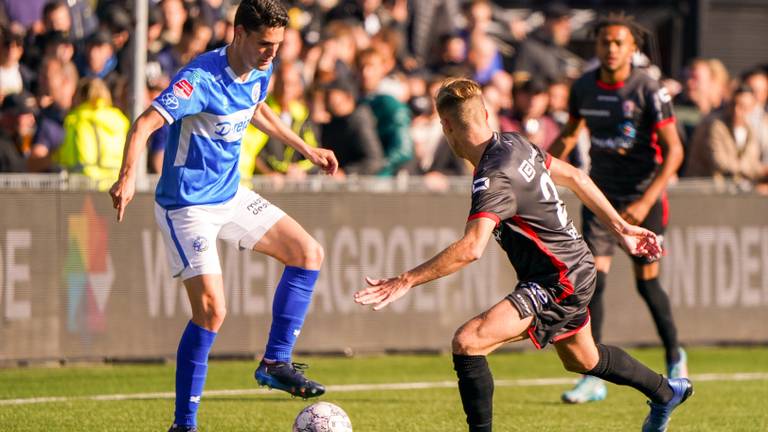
(587, 389)
(679, 369)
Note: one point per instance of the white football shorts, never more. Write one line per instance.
(190, 233)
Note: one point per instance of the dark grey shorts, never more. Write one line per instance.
(553, 320)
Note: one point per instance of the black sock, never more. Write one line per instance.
(620, 368)
(476, 390)
(658, 303)
(596, 307)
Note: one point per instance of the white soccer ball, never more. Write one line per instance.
(322, 417)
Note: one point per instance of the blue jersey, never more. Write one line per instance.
(208, 109)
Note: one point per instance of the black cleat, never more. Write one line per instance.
(177, 428)
(288, 377)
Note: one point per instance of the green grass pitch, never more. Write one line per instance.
(719, 404)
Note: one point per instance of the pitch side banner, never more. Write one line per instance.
(75, 284)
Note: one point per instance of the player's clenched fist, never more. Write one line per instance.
(325, 159)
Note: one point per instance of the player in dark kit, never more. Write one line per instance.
(631, 123)
(514, 199)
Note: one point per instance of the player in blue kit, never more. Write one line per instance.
(198, 199)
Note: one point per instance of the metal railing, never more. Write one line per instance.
(320, 183)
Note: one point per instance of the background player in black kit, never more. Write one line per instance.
(631, 123)
(514, 199)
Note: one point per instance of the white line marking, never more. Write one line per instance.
(344, 388)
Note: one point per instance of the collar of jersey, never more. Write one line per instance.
(229, 70)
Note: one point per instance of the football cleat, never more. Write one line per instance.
(587, 389)
(179, 428)
(658, 419)
(288, 377)
(679, 369)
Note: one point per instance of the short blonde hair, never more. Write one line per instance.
(454, 96)
(93, 90)
(719, 72)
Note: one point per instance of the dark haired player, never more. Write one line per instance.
(514, 199)
(631, 123)
(198, 200)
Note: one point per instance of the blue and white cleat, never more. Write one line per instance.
(679, 369)
(288, 377)
(587, 389)
(658, 419)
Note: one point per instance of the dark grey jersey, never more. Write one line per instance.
(622, 119)
(513, 187)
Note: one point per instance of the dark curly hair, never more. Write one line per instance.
(639, 33)
(255, 14)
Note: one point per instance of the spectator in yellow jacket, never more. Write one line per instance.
(259, 153)
(94, 135)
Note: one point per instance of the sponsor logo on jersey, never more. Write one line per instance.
(607, 98)
(628, 130)
(229, 130)
(480, 184)
(169, 101)
(200, 244)
(183, 89)
(619, 144)
(586, 112)
(526, 168)
(628, 107)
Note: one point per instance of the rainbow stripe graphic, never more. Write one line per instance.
(88, 271)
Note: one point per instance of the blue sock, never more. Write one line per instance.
(191, 368)
(289, 307)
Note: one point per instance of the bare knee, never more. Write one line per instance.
(579, 362)
(314, 256)
(466, 341)
(309, 255)
(578, 354)
(579, 365)
(211, 317)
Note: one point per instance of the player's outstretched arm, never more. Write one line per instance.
(138, 136)
(567, 139)
(268, 122)
(638, 241)
(468, 249)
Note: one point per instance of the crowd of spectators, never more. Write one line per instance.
(355, 76)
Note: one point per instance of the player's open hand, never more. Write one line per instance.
(641, 242)
(325, 159)
(382, 292)
(122, 193)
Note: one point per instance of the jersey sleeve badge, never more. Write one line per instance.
(183, 89)
(480, 184)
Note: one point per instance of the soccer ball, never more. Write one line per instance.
(322, 417)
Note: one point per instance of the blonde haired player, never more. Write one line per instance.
(514, 199)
